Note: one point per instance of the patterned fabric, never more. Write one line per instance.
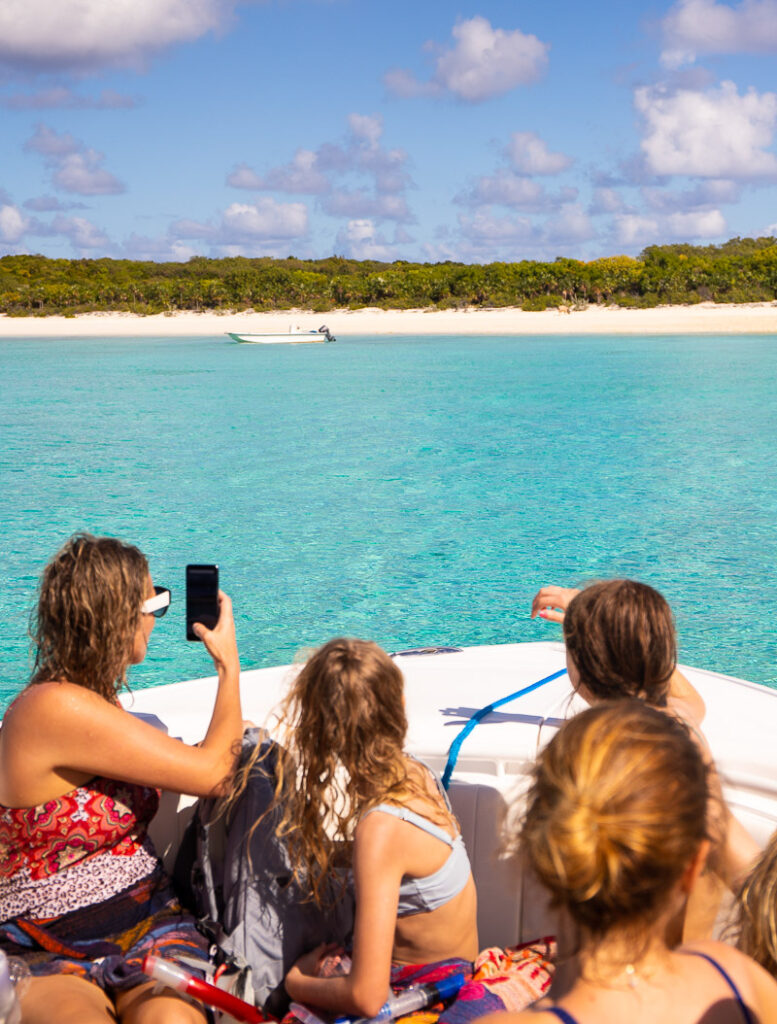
(78, 849)
(106, 942)
(500, 979)
(82, 891)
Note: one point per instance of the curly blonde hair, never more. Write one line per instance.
(617, 811)
(339, 752)
(756, 929)
(89, 601)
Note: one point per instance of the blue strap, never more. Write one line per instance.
(729, 981)
(455, 747)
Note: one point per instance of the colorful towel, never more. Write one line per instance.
(106, 943)
(500, 979)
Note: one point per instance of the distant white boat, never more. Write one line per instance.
(294, 336)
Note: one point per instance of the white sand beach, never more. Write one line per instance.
(705, 318)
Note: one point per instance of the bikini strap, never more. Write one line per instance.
(405, 814)
(748, 1017)
(563, 1015)
(440, 788)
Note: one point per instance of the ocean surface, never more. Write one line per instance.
(413, 491)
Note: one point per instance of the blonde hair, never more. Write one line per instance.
(620, 635)
(340, 751)
(757, 910)
(617, 811)
(88, 610)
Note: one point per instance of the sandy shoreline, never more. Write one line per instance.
(705, 318)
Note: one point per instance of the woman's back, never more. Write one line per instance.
(707, 982)
(437, 908)
(618, 830)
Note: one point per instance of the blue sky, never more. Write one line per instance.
(387, 129)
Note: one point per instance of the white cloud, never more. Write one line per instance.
(82, 233)
(362, 153)
(485, 227)
(507, 189)
(529, 154)
(360, 240)
(366, 128)
(483, 62)
(403, 83)
(717, 134)
(335, 171)
(82, 174)
(261, 224)
(49, 143)
(360, 204)
(700, 27)
(300, 177)
(141, 247)
(83, 35)
(705, 195)
(266, 219)
(606, 200)
(74, 167)
(569, 226)
(13, 224)
(633, 229)
(638, 230)
(697, 224)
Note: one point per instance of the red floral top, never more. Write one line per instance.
(93, 839)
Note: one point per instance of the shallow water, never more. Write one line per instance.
(414, 491)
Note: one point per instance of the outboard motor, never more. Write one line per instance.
(323, 329)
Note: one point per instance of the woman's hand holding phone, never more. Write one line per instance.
(220, 642)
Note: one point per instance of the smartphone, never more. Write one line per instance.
(202, 597)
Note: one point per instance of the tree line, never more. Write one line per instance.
(740, 270)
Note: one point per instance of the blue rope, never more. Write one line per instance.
(455, 747)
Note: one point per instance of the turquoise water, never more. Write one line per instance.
(414, 491)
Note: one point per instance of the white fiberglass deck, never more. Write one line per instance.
(443, 690)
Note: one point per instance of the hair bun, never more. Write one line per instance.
(616, 812)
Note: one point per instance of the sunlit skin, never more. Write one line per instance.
(59, 735)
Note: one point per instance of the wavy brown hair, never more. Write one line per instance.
(756, 928)
(616, 813)
(620, 635)
(340, 751)
(88, 610)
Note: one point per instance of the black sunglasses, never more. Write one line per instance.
(158, 604)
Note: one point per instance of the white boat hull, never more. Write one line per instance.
(290, 337)
(443, 690)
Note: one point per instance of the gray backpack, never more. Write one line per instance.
(260, 919)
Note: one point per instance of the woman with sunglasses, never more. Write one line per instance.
(83, 896)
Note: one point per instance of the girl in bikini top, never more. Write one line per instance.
(617, 829)
(349, 796)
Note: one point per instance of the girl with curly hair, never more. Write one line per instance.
(348, 795)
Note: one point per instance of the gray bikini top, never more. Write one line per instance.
(420, 895)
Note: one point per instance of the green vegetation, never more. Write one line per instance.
(740, 270)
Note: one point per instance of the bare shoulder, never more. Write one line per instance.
(743, 969)
(377, 828)
(55, 701)
(524, 1017)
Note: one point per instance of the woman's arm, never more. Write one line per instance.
(377, 876)
(551, 602)
(686, 699)
(60, 728)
